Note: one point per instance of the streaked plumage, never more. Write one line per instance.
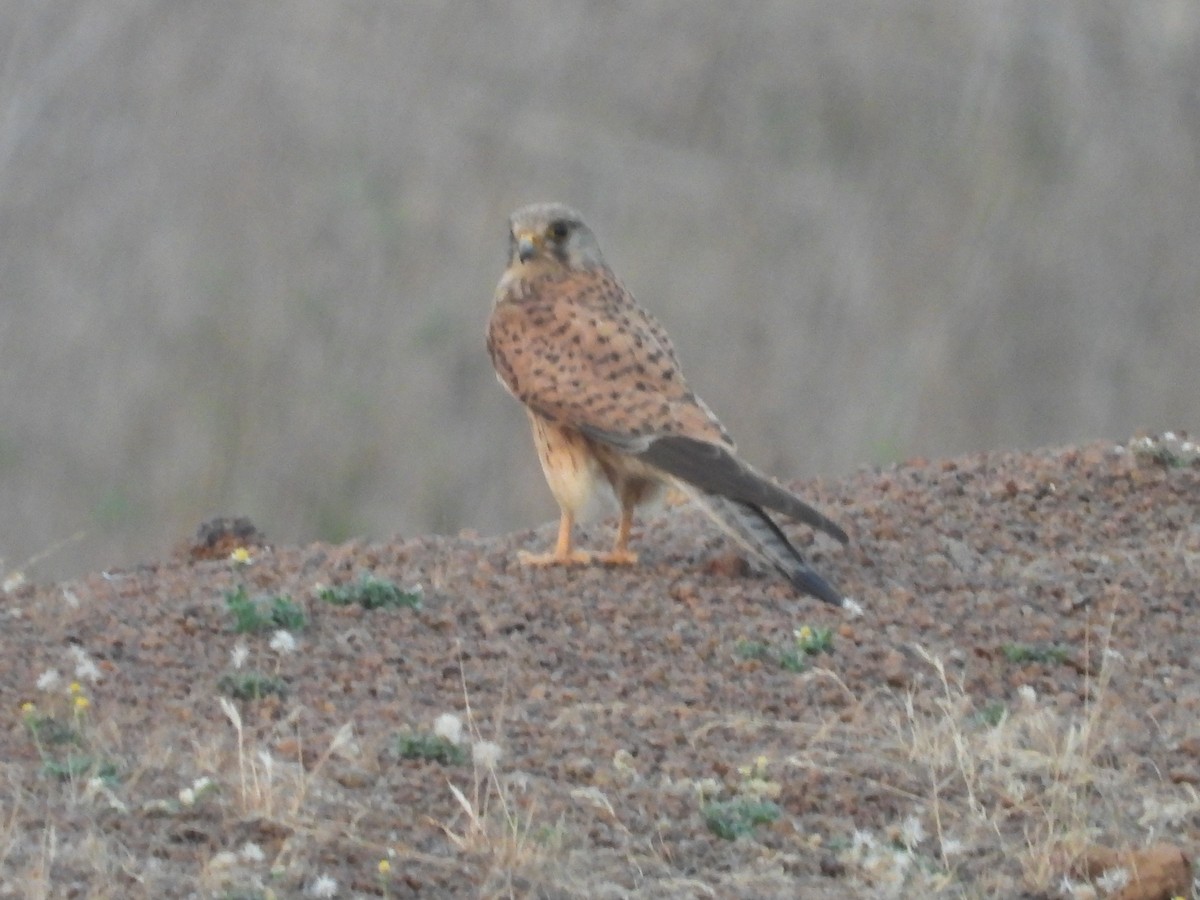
(608, 403)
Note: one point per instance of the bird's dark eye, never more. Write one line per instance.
(559, 229)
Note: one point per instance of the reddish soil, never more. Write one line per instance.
(1021, 690)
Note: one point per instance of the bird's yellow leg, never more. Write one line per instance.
(563, 555)
(621, 555)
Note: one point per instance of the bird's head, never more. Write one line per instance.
(550, 234)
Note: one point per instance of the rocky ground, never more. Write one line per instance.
(426, 718)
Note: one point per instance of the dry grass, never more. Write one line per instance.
(1033, 790)
(990, 802)
(495, 829)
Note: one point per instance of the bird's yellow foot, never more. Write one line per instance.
(543, 560)
(618, 558)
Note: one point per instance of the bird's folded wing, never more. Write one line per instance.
(713, 468)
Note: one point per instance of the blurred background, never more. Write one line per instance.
(247, 251)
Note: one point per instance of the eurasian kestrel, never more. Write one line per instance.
(608, 403)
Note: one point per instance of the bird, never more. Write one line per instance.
(609, 407)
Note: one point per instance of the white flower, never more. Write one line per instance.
(1027, 694)
(252, 853)
(862, 840)
(1113, 880)
(85, 666)
(189, 795)
(282, 642)
(911, 832)
(448, 726)
(486, 754)
(226, 859)
(951, 847)
(48, 679)
(239, 654)
(323, 886)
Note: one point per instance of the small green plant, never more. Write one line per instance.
(752, 805)
(992, 714)
(791, 657)
(813, 640)
(47, 731)
(75, 766)
(284, 613)
(370, 592)
(246, 613)
(62, 743)
(262, 613)
(251, 685)
(731, 819)
(1039, 653)
(430, 747)
(748, 649)
(792, 660)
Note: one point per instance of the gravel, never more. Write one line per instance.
(1021, 687)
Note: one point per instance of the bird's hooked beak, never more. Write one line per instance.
(528, 243)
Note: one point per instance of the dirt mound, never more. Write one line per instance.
(426, 718)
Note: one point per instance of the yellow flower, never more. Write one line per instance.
(384, 867)
(804, 634)
(82, 703)
(28, 708)
(240, 556)
(76, 688)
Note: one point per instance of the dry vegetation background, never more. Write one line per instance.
(247, 250)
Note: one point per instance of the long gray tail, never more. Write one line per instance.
(754, 531)
(714, 469)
